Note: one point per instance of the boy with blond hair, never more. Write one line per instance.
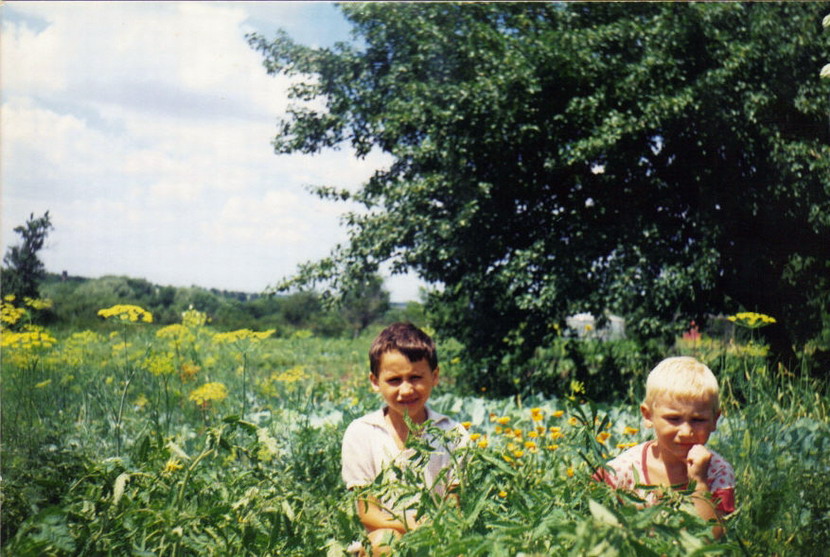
(403, 366)
(682, 406)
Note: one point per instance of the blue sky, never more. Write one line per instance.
(145, 129)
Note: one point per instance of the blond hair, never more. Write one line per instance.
(682, 377)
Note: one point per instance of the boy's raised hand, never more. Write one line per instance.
(697, 464)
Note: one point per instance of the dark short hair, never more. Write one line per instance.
(407, 339)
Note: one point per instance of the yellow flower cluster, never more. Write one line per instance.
(193, 318)
(29, 339)
(208, 392)
(751, 320)
(296, 373)
(126, 312)
(160, 364)
(242, 334)
(9, 314)
(36, 303)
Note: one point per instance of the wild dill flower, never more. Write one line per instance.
(630, 430)
(160, 364)
(126, 312)
(751, 320)
(176, 332)
(188, 371)
(209, 392)
(32, 337)
(140, 402)
(39, 304)
(242, 334)
(292, 375)
(193, 318)
(603, 436)
(558, 413)
(9, 313)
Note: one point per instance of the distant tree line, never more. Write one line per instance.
(76, 301)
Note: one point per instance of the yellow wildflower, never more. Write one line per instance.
(630, 430)
(530, 445)
(42, 384)
(533, 434)
(475, 436)
(518, 453)
(188, 371)
(499, 429)
(39, 304)
(193, 318)
(626, 445)
(467, 425)
(483, 443)
(603, 436)
(173, 465)
(502, 494)
(751, 320)
(504, 420)
(552, 447)
(573, 421)
(208, 392)
(126, 312)
(558, 413)
(570, 472)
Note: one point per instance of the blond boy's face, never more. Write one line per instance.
(405, 386)
(680, 423)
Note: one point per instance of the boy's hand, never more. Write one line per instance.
(697, 464)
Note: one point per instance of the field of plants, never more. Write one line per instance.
(183, 440)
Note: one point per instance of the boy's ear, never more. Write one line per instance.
(646, 412)
(374, 380)
(435, 375)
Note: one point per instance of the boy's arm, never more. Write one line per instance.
(374, 517)
(697, 463)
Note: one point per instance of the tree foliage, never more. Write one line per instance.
(23, 269)
(662, 161)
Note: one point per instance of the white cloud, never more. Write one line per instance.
(145, 129)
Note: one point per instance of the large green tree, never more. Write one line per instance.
(660, 160)
(23, 270)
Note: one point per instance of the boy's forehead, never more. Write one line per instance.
(397, 358)
(697, 403)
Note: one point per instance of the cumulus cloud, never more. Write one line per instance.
(145, 129)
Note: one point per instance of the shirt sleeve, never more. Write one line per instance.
(721, 480)
(357, 466)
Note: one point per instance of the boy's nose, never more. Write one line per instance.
(406, 387)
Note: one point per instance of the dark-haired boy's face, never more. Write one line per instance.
(405, 386)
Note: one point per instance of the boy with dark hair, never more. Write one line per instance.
(403, 370)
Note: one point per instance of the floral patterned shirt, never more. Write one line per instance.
(630, 469)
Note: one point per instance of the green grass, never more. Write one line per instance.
(105, 452)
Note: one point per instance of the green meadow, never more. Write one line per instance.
(143, 439)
